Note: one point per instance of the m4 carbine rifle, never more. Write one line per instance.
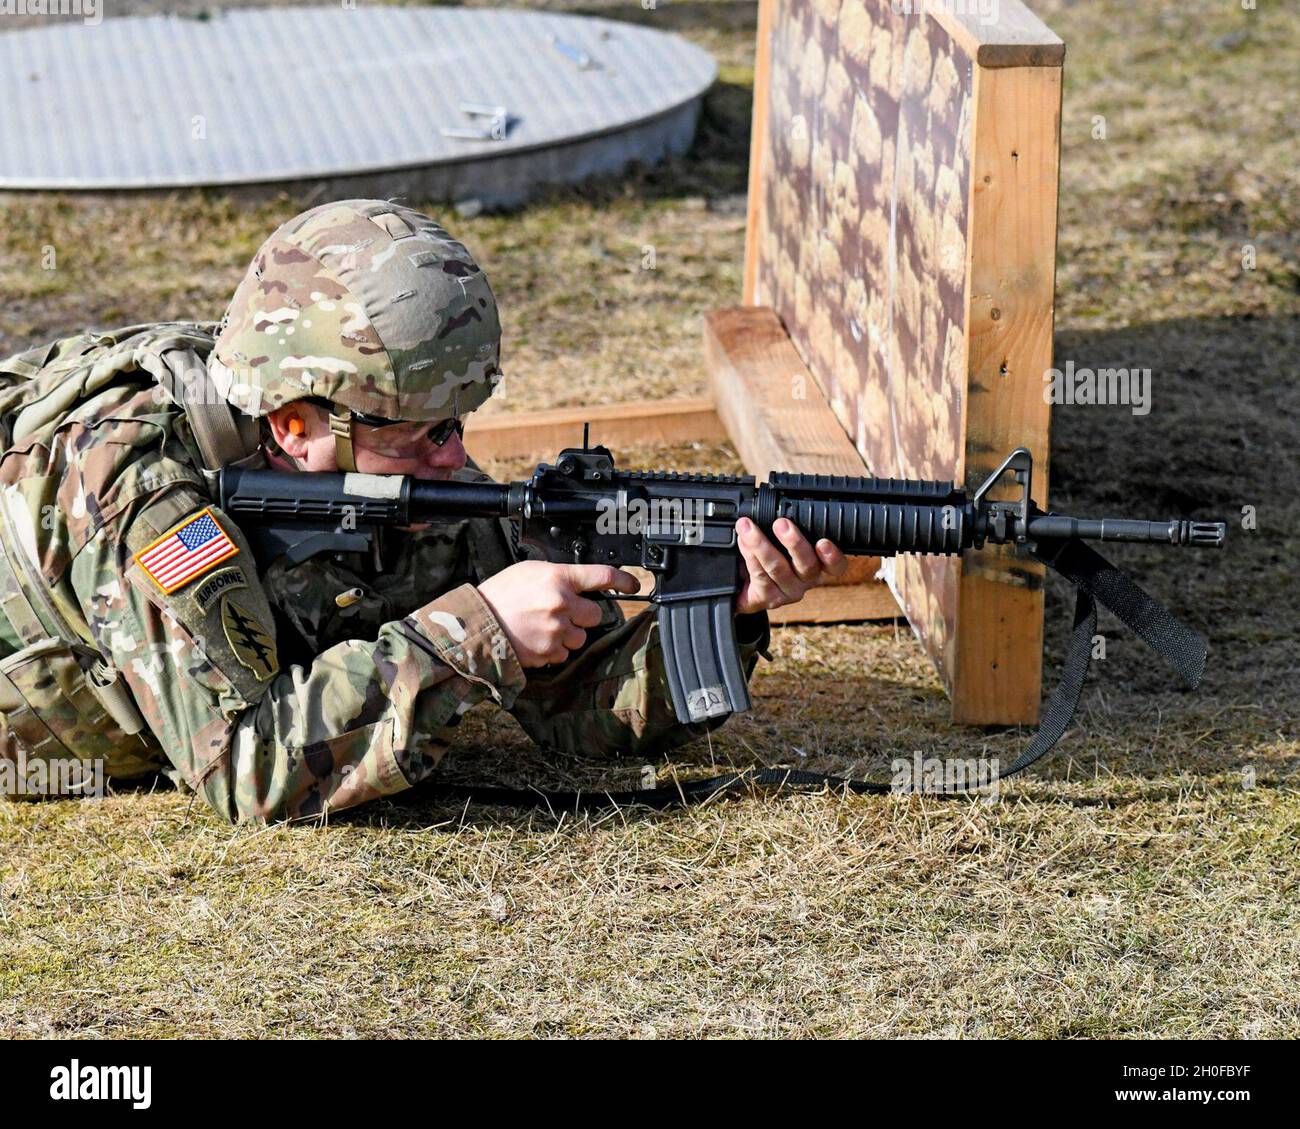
(681, 528)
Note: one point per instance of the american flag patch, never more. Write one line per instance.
(186, 551)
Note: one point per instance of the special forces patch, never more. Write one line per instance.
(251, 642)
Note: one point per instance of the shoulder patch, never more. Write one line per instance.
(252, 643)
(186, 551)
(223, 580)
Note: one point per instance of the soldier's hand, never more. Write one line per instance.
(772, 581)
(541, 607)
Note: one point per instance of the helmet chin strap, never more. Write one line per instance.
(344, 453)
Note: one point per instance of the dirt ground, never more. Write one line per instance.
(1142, 881)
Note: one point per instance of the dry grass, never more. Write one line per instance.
(1131, 885)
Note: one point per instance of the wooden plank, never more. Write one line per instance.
(859, 602)
(778, 420)
(768, 400)
(758, 144)
(1007, 35)
(1012, 287)
(542, 434)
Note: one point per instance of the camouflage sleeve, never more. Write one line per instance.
(612, 696)
(365, 719)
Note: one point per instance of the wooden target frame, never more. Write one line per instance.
(902, 227)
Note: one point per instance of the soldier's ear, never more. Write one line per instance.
(291, 428)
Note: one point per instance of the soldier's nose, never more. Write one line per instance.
(450, 456)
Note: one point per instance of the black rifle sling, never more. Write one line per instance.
(1175, 642)
(1095, 579)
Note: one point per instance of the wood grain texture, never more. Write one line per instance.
(543, 434)
(779, 420)
(856, 602)
(1012, 288)
(1007, 35)
(767, 399)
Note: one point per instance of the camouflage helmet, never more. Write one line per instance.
(369, 305)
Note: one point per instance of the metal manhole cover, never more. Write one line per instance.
(302, 93)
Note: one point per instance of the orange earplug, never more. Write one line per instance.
(296, 426)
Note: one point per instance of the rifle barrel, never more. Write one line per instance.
(1054, 527)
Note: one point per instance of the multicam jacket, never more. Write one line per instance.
(256, 688)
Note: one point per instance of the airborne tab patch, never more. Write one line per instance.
(223, 580)
(186, 551)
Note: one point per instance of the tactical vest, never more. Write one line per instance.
(60, 701)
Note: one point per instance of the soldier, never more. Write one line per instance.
(138, 630)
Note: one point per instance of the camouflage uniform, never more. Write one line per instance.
(259, 691)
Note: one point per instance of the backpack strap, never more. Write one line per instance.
(177, 361)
